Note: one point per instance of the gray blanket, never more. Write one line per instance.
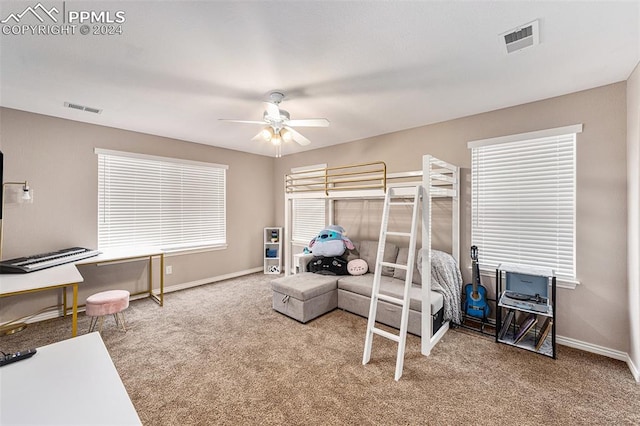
(446, 279)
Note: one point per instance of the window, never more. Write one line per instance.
(160, 202)
(309, 214)
(523, 200)
(308, 219)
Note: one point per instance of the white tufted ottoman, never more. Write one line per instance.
(112, 302)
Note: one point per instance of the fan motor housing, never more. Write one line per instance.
(276, 97)
(284, 115)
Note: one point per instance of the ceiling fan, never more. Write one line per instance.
(279, 126)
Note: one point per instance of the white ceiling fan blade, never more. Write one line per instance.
(301, 140)
(309, 122)
(241, 121)
(272, 110)
(258, 137)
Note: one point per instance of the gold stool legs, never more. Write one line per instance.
(118, 316)
(92, 324)
(119, 320)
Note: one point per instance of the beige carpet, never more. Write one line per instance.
(218, 354)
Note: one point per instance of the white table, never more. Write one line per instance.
(46, 279)
(73, 382)
(131, 254)
(67, 274)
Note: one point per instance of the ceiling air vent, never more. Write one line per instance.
(82, 108)
(521, 37)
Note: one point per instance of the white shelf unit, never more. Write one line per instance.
(272, 250)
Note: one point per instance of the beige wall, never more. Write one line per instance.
(57, 157)
(633, 167)
(596, 312)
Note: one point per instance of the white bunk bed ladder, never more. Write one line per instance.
(400, 338)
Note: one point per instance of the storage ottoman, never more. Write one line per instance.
(305, 296)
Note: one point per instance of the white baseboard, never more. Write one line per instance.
(47, 315)
(589, 347)
(55, 313)
(633, 368)
(211, 280)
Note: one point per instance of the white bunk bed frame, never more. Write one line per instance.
(438, 179)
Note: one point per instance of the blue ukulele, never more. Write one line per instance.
(476, 295)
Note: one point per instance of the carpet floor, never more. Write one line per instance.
(218, 354)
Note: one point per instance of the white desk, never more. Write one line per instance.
(46, 279)
(68, 275)
(73, 382)
(127, 254)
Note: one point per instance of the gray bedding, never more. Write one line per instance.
(446, 280)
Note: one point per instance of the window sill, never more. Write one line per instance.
(571, 285)
(193, 250)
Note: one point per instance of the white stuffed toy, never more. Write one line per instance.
(330, 242)
(357, 267)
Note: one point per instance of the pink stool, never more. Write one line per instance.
(107, 303)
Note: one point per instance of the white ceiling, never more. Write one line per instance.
(368, 67)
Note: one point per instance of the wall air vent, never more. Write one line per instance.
(519, 38)
(82, 108)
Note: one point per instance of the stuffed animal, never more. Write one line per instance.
(331, 241)
(357, 267)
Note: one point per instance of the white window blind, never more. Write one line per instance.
(523, 202)
(309, 214)
(308, 219)
(159, 202)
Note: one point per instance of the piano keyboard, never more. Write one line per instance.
(45, 260)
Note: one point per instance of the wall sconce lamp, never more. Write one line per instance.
(24, 196)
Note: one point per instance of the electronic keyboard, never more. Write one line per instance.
(36, 262)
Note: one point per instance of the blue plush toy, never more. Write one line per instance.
(331, 242)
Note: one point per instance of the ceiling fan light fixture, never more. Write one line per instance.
(277, 125)
(286, 135)
(267, 133)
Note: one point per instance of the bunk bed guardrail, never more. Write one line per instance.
(369, 176)
(339, 178)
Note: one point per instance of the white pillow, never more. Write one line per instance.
(357, 267)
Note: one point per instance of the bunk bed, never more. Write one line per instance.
(371, 181)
